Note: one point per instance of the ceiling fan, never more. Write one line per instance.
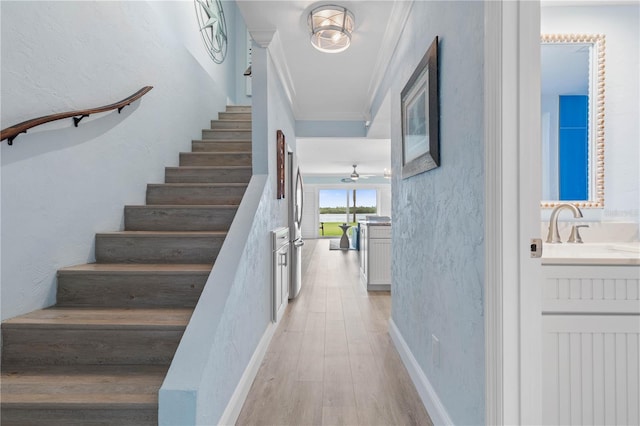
(354, 176)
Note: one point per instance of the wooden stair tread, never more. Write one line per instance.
(210, 167)
(210, 153)
(165, 234)
(83, 384)
(222, 141)
(53, 401)
(235, 121)
(102, 318)
(228, 130)
(141, 268)
(199, 185)
(83, 373)
(184, 207)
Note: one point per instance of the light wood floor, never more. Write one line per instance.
(331, 360)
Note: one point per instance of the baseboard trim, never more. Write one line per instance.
(232, 411)
(428, 395)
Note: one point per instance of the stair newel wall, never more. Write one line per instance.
(230, 329)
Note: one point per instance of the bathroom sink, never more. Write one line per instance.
(619, 253)
(630, 247)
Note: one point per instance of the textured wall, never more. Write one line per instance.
(61, 185)
(437, 250)
(621, 26)
(235, 307)
(248, 308)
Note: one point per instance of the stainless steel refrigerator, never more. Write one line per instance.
(296, 204)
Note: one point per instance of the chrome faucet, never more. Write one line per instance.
(554, 236)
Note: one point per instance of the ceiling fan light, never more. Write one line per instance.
(331, 27)
(354, 174)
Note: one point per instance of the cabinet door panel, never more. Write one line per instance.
(379, 261)
(591, 373)
(379, 232)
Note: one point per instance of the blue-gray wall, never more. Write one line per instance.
(438, 230)
(234, 310)
(247, 311)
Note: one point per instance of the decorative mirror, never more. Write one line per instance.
(572, 113)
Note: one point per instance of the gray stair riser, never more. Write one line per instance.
(77, 415)
(227, 134)
(159, 218)
(148, 249)
(204, 175)
(231, 124)
(64, 346)
(238, 108)
(214, 159)
(194, 195)
(130, 290)
(220, 146)
(234, 116)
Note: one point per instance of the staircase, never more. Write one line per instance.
(99, 356)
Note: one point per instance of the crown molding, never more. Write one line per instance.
(262, 37)
(395, 26)
(270, 40)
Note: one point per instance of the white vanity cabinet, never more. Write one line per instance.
(591, 344)
(375, 256)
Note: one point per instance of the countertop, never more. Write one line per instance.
(603, 254)
(374, 223)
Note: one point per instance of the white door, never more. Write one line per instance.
(512, 213)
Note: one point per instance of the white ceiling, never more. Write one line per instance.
(335, 87)
(335, 156)
(327, 86)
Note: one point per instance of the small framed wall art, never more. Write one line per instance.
(421, 117)
(280, 164)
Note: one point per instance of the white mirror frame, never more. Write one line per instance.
(596, 118)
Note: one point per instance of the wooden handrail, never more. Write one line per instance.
(10, 133)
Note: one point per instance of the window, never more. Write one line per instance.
(336, 206)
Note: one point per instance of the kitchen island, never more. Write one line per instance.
(375, 254)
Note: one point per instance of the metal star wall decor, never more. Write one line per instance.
(213, 28)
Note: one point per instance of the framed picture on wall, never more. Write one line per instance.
(421, 117)
(280, 164)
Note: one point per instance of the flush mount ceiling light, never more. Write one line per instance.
(331, 27)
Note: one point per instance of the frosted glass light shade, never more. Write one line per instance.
(331, 27)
